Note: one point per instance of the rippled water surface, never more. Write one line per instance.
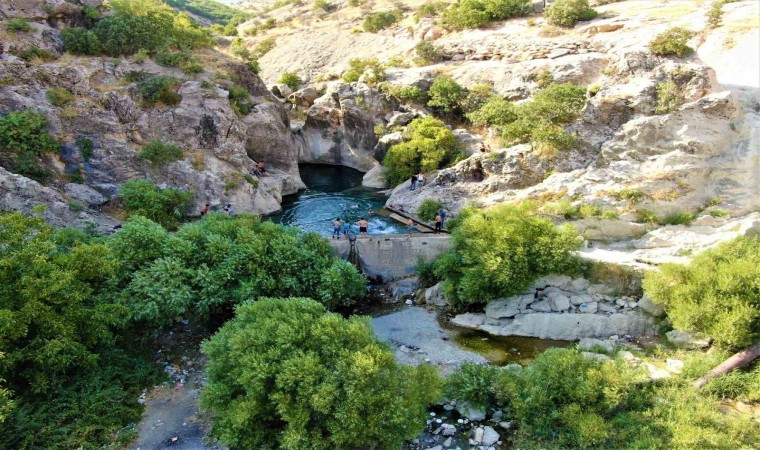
(332, 192)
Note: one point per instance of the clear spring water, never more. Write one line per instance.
(334, 191)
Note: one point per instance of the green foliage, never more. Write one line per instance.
(210, 9)
(91, 13)
(381, 20)
(672, 43)
(565, 13)
(541, 119)
(475, 384)
(679, 218)
(430, 9)
(477, 96)
(494, 112)
(446, 95)
(717, 293)
(669, 98)
(50, 321)
(646, 216)
(159, 88)
(164, 206)
(284, 373)
(18, 25)
(59, 96)
(34, 53)
(499, 252)
(79, 41)
(323, 5)
(428, 146)
(239, 49)
(24, 139)
(476, 13)
(240, 100)
(715, 13)
(372, 69)
(631, 195)
(160, 153)
(263, 47)
(405, 94)
(544, 79)
(291, 79)
(254, 66)
(428, 209)
(427, 52)
(171, 59)
(426, 272)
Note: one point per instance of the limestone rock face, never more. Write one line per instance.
(374, 178)
(339, 127)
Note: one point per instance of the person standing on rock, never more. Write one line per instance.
(420, 179)
(409, 227)
(346, 227)
(438, 222)
(337, 225)
(442, 213)
(228, 209)
(363, 224)
(413, 182)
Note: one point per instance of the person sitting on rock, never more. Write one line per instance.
(262, 169)
(204, 210)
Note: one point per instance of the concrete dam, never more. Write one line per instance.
(392, 256)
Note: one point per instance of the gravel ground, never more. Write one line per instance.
(417, 338)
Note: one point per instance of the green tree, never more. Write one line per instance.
(494, 112)
(566, 13)
(24, 139)
(500, 251)
(290, 79)
(381, 20)
(372, 69)
(476, 13)
(446, 95)
(51, 318)
(164, 206)
(160, 153)
(717, 293)
(285, 374)
(672, 42)
(428, 146)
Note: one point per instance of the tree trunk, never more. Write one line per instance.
(737, 361)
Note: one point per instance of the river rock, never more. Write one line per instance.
(577, 300)
(448, 430)
(504, 308)
(577, 285)
(405, 287)
(399, 119)
(84, 194)
(591, 344)
(606, 307)
(490, 436)
(561, 326)
(588, 308)
(559, 302)
(541, 306)
(472, 413)
(374, 178)
(650, 307)
(686, 339)
(385, 142)
(434, 295)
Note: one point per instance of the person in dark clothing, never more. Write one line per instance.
(438, 222)
(442, 213)
(204, 210)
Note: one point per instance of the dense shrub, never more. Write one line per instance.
(476, 13)
(428, 146)
(149, 24)
(160, 153)
(34, 54)
(263, 47)
(477, 96)
(323, 5)
(240, 100)
(430, 9)
(672, 42)
(427, 52)
(500, 251)
(210, 9)
(372, 69)
(669, 98)
(290, 79)
(446, 95)
(566, 13)
(284, 373)
(59, 96)
(475, 384)
(164, 206)
(18, 25)
(404, 94)
(494, 112)
(159, 88)
(239, 49)
(86, 147)
(717, 293)
(428, 209)
(381, 20)
(24, 139)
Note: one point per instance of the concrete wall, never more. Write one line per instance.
(393, 256)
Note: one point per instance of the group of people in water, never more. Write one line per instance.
(344, 227)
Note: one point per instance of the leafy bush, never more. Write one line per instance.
(150, 25)
(34, 53)
(23, 140)
(679, 218)
(500, 251)
(159, 88)
(476, 13)
(669, 98)
(477, 96)
(307, 379)
(427, 52)
(430, 9)
(240, 100)
(291, 79)
(163, 206)
(428, 146)
(428, 209)
(18, 25)
(254, 66)
(263, 47)
(85, 146)
(160, 153)
(672, 42)
(239, 49)
(210, 9)
(494, 112)
(716, 293)
(381, 20)
(372, 69)
(446, 95)
(323, 5)
(59, 96)
(475, 384)
(409, 94)
(565, 13)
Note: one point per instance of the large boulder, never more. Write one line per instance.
(374, 178)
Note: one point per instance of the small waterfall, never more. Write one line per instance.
(353, 253)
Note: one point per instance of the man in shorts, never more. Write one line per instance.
(363, 224)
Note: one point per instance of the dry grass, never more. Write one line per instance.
(198, 161)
